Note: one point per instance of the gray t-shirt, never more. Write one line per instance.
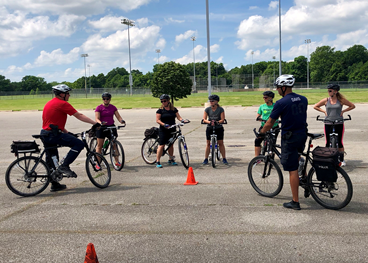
(214, 115)
(333, 111)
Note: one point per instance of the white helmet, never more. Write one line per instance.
(61, 88)
(285, 81)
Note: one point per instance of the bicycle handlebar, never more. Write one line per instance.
(333, 122)
(225, 122)
(179, 124)
(264, 121)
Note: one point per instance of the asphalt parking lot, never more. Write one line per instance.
(148, 215)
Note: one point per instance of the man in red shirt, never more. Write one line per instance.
(54, 117)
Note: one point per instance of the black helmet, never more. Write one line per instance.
(214, 97)
(269, 93)
(106, 95)
(333, 86)
(164, 97)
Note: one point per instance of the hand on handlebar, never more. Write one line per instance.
(167, 125)
(122, 122)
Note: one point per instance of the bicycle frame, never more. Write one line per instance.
(176, 135)
(112, 138)
(333, 134)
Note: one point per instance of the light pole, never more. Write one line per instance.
(85, 72)
(280, 67)
(252, 71)
(208, 48)
(193, 38)
(274, 57)
(89, 70)
(307, 41)
(129, 23)
(158, 55)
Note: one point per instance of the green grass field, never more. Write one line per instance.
(195, 100)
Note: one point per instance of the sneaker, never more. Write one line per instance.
(55, 186)
(66, 170)
(292, 205)
(205, 161)
(118, 164)
(172, 162)
(224, 161)
(306, 192)
(97, 167)
(343, 163)
(158, 165)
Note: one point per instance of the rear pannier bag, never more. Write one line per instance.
(151, 132)
(325, 161)
(24, 147)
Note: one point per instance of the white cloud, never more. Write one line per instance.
(161, 43)
(57, 57)
(161, 60)
(85, 7)
(107, 23)
(186, 35)
(215, 48)
(171, 20)
(200, 53)
(273, 5)
(253, 7)
(142, 22)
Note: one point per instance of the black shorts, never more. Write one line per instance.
(165, 135)
(258, 141)
(290, 149)
(103, 133)
(219, 132)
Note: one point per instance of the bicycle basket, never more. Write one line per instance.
(325, 161)
(24, 147)
(151, 132)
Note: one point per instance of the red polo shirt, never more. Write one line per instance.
(56, 112)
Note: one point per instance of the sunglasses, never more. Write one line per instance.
(163, 101)
(105, 99)
(212, 100)
(330, 90)
(265, 97)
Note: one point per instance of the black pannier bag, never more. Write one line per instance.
(151, 132)
(325, 161)
(24, 147)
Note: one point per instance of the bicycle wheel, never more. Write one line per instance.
(27, 176)
(331, 195)
(183, 150)
(265, 176)
(118, 153)
(213, 152)
(93, 144)
(218, 153)
(98, 170)
(334, 142)
(149, 150)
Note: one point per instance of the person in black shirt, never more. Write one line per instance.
(165, 116)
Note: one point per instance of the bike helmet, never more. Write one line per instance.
(214, 97)
(333, 86)
(269, 94)
(164, 97)
(285, 81)
(106, 95)
(61, 88)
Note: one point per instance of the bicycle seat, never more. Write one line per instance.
(315, 135)
(36, 136)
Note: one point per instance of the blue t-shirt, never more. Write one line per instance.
(293, 112)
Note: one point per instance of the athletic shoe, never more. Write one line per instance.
(66, 170)
(158, 165)
(55, 186)
(97, 167)
(118, 164)
(205, 161)
(172, 162)
(292, 205)
(224, 161)
(343, 163)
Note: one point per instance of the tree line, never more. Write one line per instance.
(326, 65)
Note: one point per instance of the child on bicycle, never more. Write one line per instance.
(104, 114)
(214, 116)
(334, 112)
(263, 113)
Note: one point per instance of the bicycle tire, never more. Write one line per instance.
(149, 150)
(120, 153)
(99, 176)
(270, 185)
(93, 144)
(213, 152)
(21, 182)
(218, 153)
(329, 194)
(183, 151)
(334, 142)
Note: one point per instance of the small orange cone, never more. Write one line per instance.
(190, 179)
(91, 256)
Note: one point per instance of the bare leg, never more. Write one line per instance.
(294, 184)
(207, 152)
(222, 148)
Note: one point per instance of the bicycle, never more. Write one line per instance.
(333, 143)
(266, 178)
(117, 156)
(265, 146)
(30, 175)
(214, 148)
(150, 146)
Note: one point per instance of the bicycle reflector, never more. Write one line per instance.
(311, 145)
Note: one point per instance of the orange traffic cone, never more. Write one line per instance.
(190, 179)
(91, 256)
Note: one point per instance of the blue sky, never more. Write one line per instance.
(46, 38)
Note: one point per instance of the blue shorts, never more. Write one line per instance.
(290, 149)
